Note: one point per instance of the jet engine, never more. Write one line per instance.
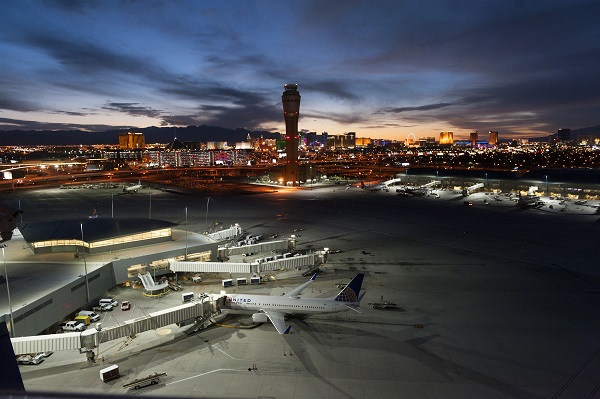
(259, 318)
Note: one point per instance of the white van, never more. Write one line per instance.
(93, 315)
(108, 301)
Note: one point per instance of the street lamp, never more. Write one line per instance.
(186, 233)
(87, 284)
(207, 202)
(12, 321)
(311, 176)
(486, 180)
(112, 206)
(150, 208)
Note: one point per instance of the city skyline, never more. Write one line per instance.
(381, 69)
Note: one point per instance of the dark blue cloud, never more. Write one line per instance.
(387, 67)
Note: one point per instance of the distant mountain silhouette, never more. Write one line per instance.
(585, 131)
(575, 133)
(152, 134)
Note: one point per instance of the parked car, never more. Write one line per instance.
(73, 326)
(125, 305)
(108, 301)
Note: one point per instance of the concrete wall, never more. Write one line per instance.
(45, 312)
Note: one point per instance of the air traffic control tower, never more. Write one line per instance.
(291, 110)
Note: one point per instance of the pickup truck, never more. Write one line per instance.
(73, 326)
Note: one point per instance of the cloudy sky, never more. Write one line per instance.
(383, 69)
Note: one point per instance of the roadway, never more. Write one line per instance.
(493, 301)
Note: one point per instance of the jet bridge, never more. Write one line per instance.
(227, 234)
(260, 247)
(268, 263)
(88, 340)
(431, 184)
(470, 190)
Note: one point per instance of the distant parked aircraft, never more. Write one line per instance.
(134, 188)
(374, 187)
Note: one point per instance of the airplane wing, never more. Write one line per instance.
(278, 321)
(356, 308)
(296, 291)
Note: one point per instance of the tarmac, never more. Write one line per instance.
(493, 301)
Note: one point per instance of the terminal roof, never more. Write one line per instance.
(93, 229)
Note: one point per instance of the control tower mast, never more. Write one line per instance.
(291, 110)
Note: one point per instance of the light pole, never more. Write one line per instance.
(112, 206)
(311, 177)
(150, 208)
(12, 321)
(87, 285)
(546, 183)
(20, 213)
(207, 202)
(486, 180)
(186, 233)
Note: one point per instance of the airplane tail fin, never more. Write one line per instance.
(351, 292)
(362, 293)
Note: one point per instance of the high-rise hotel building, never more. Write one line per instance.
(131, 141)
(446, 138)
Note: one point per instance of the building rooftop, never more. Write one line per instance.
(94, 229)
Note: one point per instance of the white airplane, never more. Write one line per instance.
(416, 191)
(374, 187)
(276, 307)
(134, 188)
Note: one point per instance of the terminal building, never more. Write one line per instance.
(53, 272)
(56, 268)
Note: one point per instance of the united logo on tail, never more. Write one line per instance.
(351, 292)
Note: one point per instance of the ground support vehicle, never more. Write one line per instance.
(145, 381)
(110, 373)
(384, 305)
(35, 358)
